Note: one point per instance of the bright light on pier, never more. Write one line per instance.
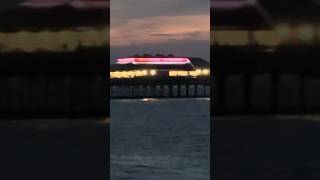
(150, 73)
(153, 72)
(198, 72)
(133, 74)
(159, 67)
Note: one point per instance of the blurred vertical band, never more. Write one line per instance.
(54, 95)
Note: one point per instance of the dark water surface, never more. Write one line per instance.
(160, 139)
(273, 147)
(54, 149)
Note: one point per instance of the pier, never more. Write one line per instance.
(159, 77)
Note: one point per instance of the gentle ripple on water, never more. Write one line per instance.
(160, 139)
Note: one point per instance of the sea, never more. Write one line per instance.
(160, 139)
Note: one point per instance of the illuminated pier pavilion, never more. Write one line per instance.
(52, 54)
(159, 77)
(265, 60)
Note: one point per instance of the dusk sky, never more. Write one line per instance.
(179, 27)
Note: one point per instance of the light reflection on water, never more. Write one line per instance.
(160, 139)
(150, 100)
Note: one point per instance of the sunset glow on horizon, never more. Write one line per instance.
(160, 29)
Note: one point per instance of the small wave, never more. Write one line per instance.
(150, 100)
(206, 99)
(154, 166)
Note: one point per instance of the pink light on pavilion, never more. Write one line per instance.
(154, 61)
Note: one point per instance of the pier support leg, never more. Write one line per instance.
(187, 90)
(248, 80)
(154, 91)
(274, 93)
(131, 91)
(195, 90)
(170, 91)
(161, 91)
(302, 94)
(219, 94)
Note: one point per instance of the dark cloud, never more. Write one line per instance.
(170, 35)
(162, 34)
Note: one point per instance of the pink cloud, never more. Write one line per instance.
(160, 29)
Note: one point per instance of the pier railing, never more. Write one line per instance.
(281, 81)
